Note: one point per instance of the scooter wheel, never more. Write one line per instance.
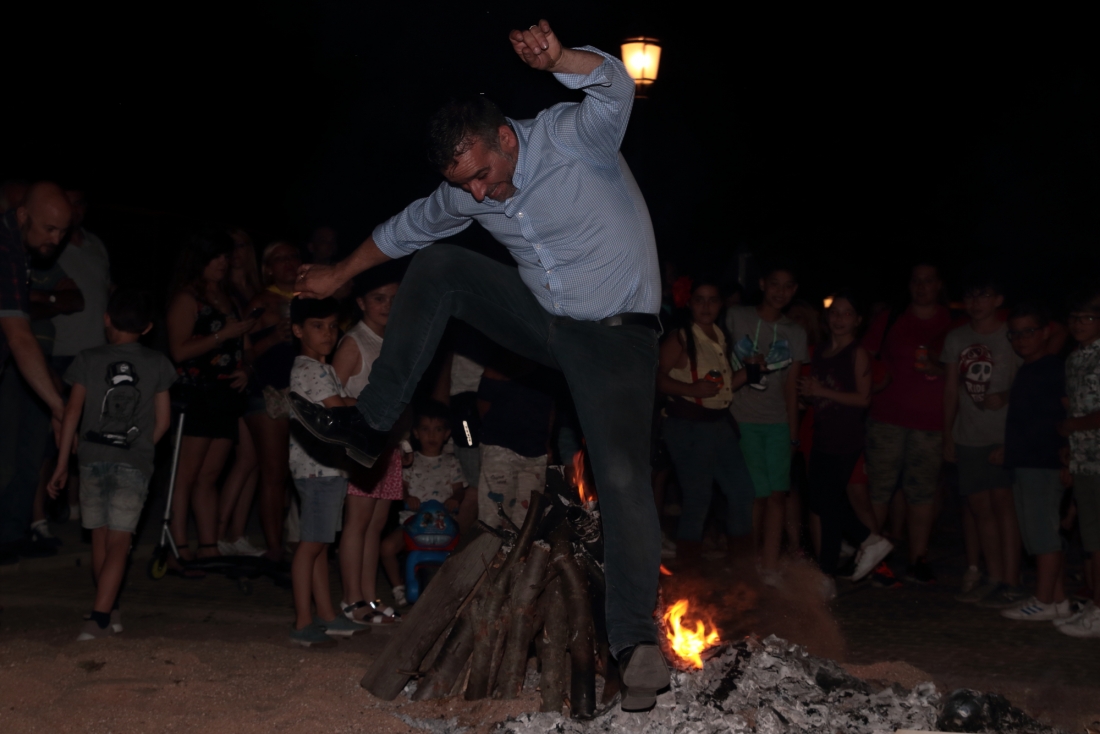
(158, 566)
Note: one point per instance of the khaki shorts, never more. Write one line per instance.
(903, 454)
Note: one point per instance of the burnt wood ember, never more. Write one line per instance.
(523, 620)
(771, 687)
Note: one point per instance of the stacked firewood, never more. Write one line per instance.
(512, 594)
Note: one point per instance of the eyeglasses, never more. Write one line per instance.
(1022, 334)
(1083, 318)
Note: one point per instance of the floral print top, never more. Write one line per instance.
(223, 360)
(1083, 391)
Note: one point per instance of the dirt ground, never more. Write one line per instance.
(199, 656)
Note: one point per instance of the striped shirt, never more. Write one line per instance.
(577, 226)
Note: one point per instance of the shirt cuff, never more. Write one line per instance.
(384, 237)
(601, 75)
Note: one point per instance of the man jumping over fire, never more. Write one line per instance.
(556, 192)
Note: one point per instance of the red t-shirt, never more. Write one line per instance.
(911, 400)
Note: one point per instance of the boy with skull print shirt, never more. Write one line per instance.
(981, 366)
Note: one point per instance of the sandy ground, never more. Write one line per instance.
(200, 657)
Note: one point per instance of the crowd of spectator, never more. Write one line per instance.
(838, 423)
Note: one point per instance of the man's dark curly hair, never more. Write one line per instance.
(454, 128)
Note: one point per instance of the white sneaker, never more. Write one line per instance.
(846, 550)
(828, 588)
(399, 596)
(226, 548)
(244, 548)
(870, 555)
(1087, 625)
(971, 579)
(1083, 609)
(1034, 610)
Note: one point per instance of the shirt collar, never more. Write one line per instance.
(521, 158)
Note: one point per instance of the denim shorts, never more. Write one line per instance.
(112, 495)
(322, 500)
(976, 474)
(1038, 495)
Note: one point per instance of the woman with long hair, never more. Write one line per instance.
(695, 372)
(239, 489)
(207, 340)
(273, 356)
(839, 388)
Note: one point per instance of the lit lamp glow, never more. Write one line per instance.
(642, 56)
(828, 302)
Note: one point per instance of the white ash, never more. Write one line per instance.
(435, 726)
(768, 687)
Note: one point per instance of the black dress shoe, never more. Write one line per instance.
(344, 427)
(644, 673)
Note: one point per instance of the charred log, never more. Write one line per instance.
(582, 678)
(521, 628)
(552, 644)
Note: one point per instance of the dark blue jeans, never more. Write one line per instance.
(827, 496)
(611, 372)
(33, 439)
(702, 453)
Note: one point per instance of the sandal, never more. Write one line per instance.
(181, 567)
(382, 614)
(349, 610)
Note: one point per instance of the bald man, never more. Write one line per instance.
(34, 229)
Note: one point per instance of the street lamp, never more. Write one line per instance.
(642, 56)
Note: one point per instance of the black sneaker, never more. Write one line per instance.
(644, 673)
(884, 578)
(343, 427)
(921, 572)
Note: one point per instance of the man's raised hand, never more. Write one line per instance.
(317, 281)
(538, 46)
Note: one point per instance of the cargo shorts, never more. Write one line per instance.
(895, 454)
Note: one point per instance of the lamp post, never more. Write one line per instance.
(642, 56)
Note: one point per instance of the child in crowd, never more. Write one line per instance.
(772, 347)
(370, 491)
(121, 389)
(1033, 453)
(1083, 430)
(980, 368)
(839, 387)
(516, 418)
(319, 476)
(431, 475)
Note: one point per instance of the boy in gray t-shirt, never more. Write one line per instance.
(122, 391)
(980, 369)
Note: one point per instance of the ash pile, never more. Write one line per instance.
(774, 687)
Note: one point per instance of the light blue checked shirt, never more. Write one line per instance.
(578, 226)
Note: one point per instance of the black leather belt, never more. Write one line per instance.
(647, 320)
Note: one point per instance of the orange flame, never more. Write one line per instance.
(688, 645)
(665, 571)
(578, 476)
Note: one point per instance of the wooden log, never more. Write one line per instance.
(440, 679)
(522, 627)
(430, 615)
(578, 606)
(488, 621)
(605, 663)
(552, 645)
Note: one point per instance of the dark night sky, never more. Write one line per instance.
(843, 140)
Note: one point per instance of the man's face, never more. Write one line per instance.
(486, 173)
(982, 303)
(925, 286)
(43, 227)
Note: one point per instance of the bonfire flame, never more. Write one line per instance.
(688, 645)
(585, 492)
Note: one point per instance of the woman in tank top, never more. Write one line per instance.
(695, 373)
(370, 492)
(207, 340)
(839, 388)
(273, 356)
